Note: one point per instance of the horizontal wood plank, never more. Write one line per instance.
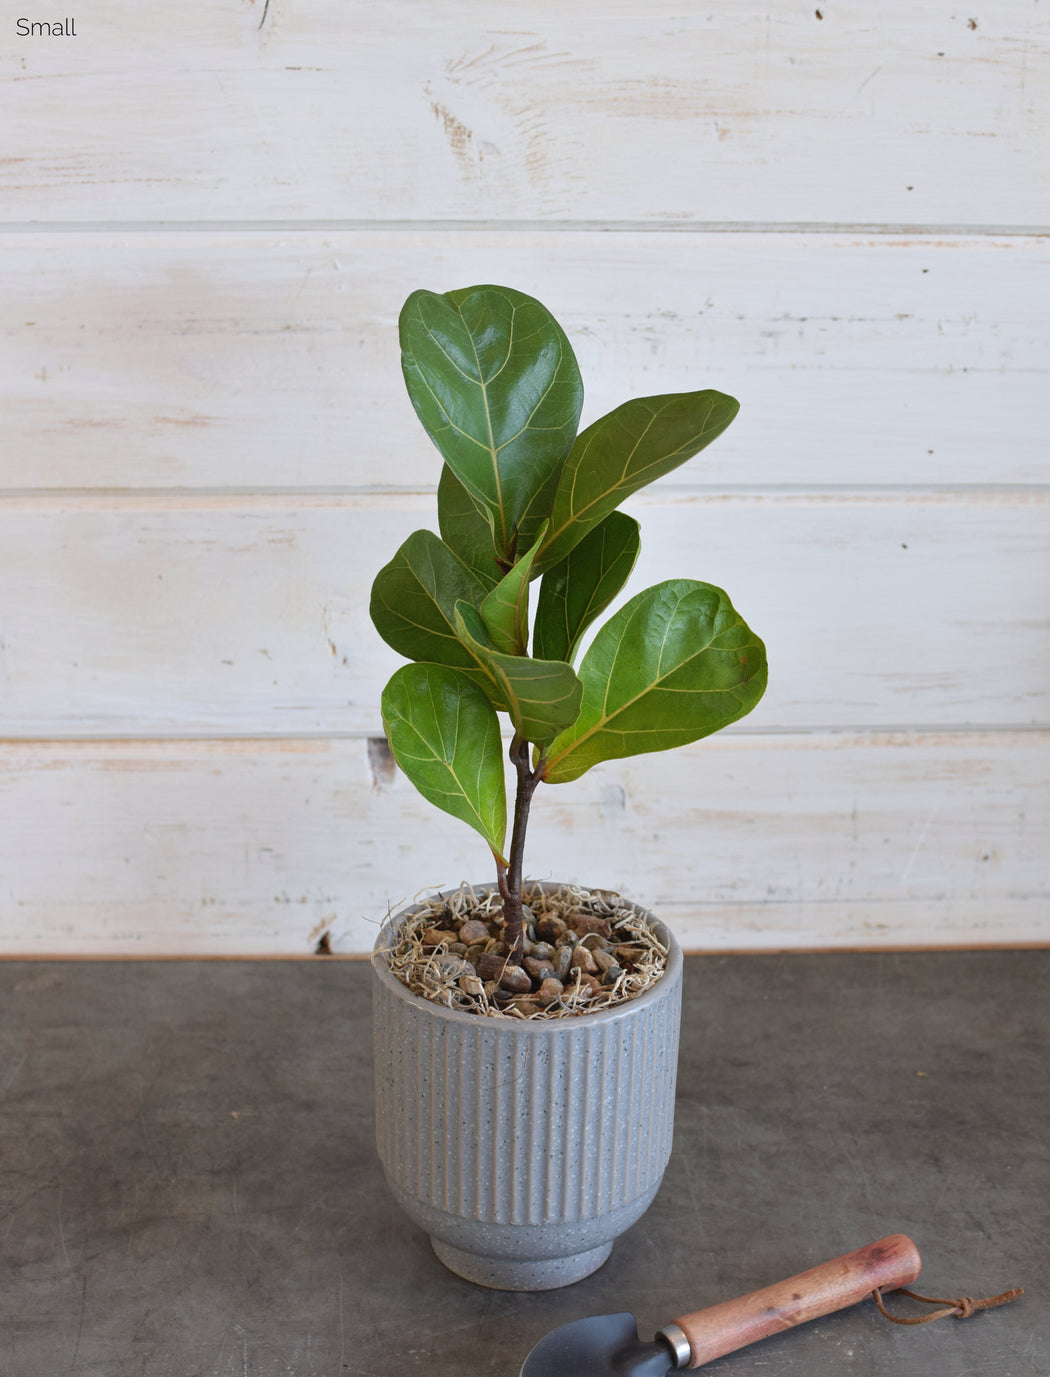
(263, 360)
(152, 616)
(206, 452)
(744, 112)
(253, 848)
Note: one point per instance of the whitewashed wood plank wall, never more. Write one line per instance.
(209, 217)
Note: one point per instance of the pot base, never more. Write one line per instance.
(506, 1274)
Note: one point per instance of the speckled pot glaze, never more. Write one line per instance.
(524, 1148)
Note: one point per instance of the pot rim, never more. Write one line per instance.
(539, 1027)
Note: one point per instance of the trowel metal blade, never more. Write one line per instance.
(601, 1346)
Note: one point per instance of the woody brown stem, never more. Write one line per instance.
(509, 878)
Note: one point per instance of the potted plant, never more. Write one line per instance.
(526, 1036)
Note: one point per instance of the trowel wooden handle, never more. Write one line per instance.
(889, 1263)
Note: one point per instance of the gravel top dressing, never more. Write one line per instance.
(584, 950)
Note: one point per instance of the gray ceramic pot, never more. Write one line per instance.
(524, 1148)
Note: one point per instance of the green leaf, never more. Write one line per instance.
(465, 530)
(579, 588)
(623, 451)
(675, 663)
(542, 696)
(444, 734)
(413, 605)
(495, 383)
(505, 610)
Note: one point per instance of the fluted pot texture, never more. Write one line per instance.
(524, 1147)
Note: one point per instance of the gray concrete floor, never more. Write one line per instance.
(188, 1184)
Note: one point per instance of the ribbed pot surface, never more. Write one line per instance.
(524, 1147)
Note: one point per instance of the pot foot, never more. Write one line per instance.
(509, 1274)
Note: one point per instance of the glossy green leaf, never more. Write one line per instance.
(623, 451)
(444, 734)
(505, 610)
(675, 663)
(495, 383)
(465, 530)
(413, 605)
(542, 696)
(579, 588)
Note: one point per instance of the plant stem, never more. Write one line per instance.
(509, 877)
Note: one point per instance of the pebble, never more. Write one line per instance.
(522, 1007)
(594, 941)
(434, 937)
(474, 930)
(583, 960)
(491, 965)
(590, 983)
(538, 968)
(471, 985)
(584, 923)
(549, 991)
(604, 959)
(549, 928)
(562, 962)
(612, 975)
(516, 980)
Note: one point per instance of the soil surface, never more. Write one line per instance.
(584, 950)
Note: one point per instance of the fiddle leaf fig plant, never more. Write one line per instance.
(523, 496)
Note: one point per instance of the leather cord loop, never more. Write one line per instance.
(961, 1309)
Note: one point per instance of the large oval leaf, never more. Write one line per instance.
(465, 530)
(413, 605)
(444, 734)
(582, 585)
(542, 696)
(623, 451)
(675, 663)
(495, 382)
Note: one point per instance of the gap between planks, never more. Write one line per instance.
(744, 737)
(413, 499)
(912, 229)
(81, 958)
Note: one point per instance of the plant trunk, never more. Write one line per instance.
(509, 876)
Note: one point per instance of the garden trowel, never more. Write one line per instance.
(609, 1346)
